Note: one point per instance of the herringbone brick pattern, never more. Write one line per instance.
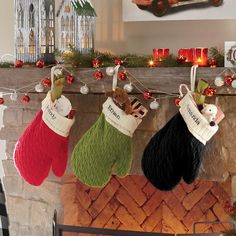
(133, 203)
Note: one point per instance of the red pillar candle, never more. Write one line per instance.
(190, 55)
(182, 54)
(201, 56)
(160, 53)
(166, 52)
(154, 54)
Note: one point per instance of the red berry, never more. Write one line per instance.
(96, 63)
(177, 101)
(209, 92)
(46, 82)
(71, 114)
(2, 101)
(147, 95)
(70, 79)
(118, 62)
(212, 62)
(19, 64)
(228, 79)
(98, 75)
(25, 99)
(122, 75)
(40, 63)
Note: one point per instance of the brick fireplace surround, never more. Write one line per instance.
(130, 203)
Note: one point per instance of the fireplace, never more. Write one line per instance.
(30, 209)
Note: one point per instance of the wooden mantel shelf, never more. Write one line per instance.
(165, 79)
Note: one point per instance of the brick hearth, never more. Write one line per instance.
(133, 203)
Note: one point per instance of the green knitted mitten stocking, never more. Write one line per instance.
(106, 147)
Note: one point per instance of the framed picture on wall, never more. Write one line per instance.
(163, 10)
(230, 54)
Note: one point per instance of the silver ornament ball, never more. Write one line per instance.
(110, 71)
(14, 97)
(154, 105)
(233, 84)
(128, 88)
(39, 88)
(219, 81)
(84, 89)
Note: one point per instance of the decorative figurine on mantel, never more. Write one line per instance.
(34, 30)
(76, 26)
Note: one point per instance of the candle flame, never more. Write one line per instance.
(199, 60)
(151, 63)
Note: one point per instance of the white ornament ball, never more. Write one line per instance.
(39, 88)
(110, 71)
(154, 105)
(219, 81)
(84, 89)
(14, 97)
(233, 84)
(63, 106)
(128, 88)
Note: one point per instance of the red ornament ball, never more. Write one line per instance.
(25, 98)
(122, 75)
(147, 95)
(40, 63)
(46, 82)
(98, 75)
(118, 62)
(209, 92)
(19, 64)
(177, 101)
(70, 79)
(228, 79)
(212, 62)
(96, 63)
(71, 115)
(2, 101)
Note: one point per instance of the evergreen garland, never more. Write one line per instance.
(75, 58)
(6, 65)
(215, 53)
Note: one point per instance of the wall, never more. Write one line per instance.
(119, 37)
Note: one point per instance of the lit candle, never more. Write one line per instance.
(160, 53)
(189, 55)
(186, 54)
(182, 54)
(155, 54)
(166, 52)
(201, 56)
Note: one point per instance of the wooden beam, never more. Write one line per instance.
(162, 79)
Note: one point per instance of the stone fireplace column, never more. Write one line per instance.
(30, 209)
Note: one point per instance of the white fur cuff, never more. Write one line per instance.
(115, 116)
(59, 124)
(197, 124)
